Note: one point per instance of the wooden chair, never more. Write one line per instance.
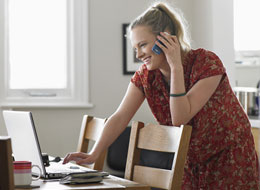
(256, 135)
(158, 138)
(91, 129)
(6, 164)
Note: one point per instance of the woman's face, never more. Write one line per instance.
(143, 40)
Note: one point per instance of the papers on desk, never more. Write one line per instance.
(81, 178)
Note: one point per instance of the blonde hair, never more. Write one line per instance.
(160, 17)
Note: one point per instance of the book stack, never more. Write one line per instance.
(81, 178)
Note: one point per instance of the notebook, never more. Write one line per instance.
(25, 145)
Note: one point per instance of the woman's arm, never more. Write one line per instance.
(114, 126)
(183, 108)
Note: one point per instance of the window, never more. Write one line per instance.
(46, 53)
(246, 29)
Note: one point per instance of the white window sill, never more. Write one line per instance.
(46, 105)
(249, 65)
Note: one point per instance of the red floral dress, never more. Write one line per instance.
(221, 153)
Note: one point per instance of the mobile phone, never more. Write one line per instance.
(156, 49)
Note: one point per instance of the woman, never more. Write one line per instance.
(185, 86)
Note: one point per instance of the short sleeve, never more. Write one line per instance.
(206, 64)
(137, 78)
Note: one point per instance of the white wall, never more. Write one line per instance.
(58, 129)
(247, 75)
(212, 28)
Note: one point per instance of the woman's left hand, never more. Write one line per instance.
(171, 49)
(80, 158)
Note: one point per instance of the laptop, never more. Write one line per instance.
(25, 145)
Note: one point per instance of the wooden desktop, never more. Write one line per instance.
(108, 183)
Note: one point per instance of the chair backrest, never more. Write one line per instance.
(6, 164)
(256, 135)
(163, 139)
(91, 129)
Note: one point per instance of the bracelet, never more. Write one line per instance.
(178, 95)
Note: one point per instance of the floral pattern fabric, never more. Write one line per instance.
(221, 152)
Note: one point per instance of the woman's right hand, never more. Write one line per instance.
(80, 158)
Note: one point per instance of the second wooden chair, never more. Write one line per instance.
(91, 129)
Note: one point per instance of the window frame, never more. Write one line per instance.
(77, 93)
(246, 57)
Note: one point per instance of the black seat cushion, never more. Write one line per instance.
(117, 152)
(117, 155)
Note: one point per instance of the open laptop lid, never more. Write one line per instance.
(25, 144)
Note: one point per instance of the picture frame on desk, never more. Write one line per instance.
(130, 62)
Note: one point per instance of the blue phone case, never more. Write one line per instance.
(156, 49)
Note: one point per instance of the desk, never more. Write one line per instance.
(108, 183)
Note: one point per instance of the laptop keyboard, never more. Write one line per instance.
(67, 168)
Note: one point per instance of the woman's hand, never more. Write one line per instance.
(80, 158)
(171, 49)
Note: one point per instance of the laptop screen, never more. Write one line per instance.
(25, 144)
